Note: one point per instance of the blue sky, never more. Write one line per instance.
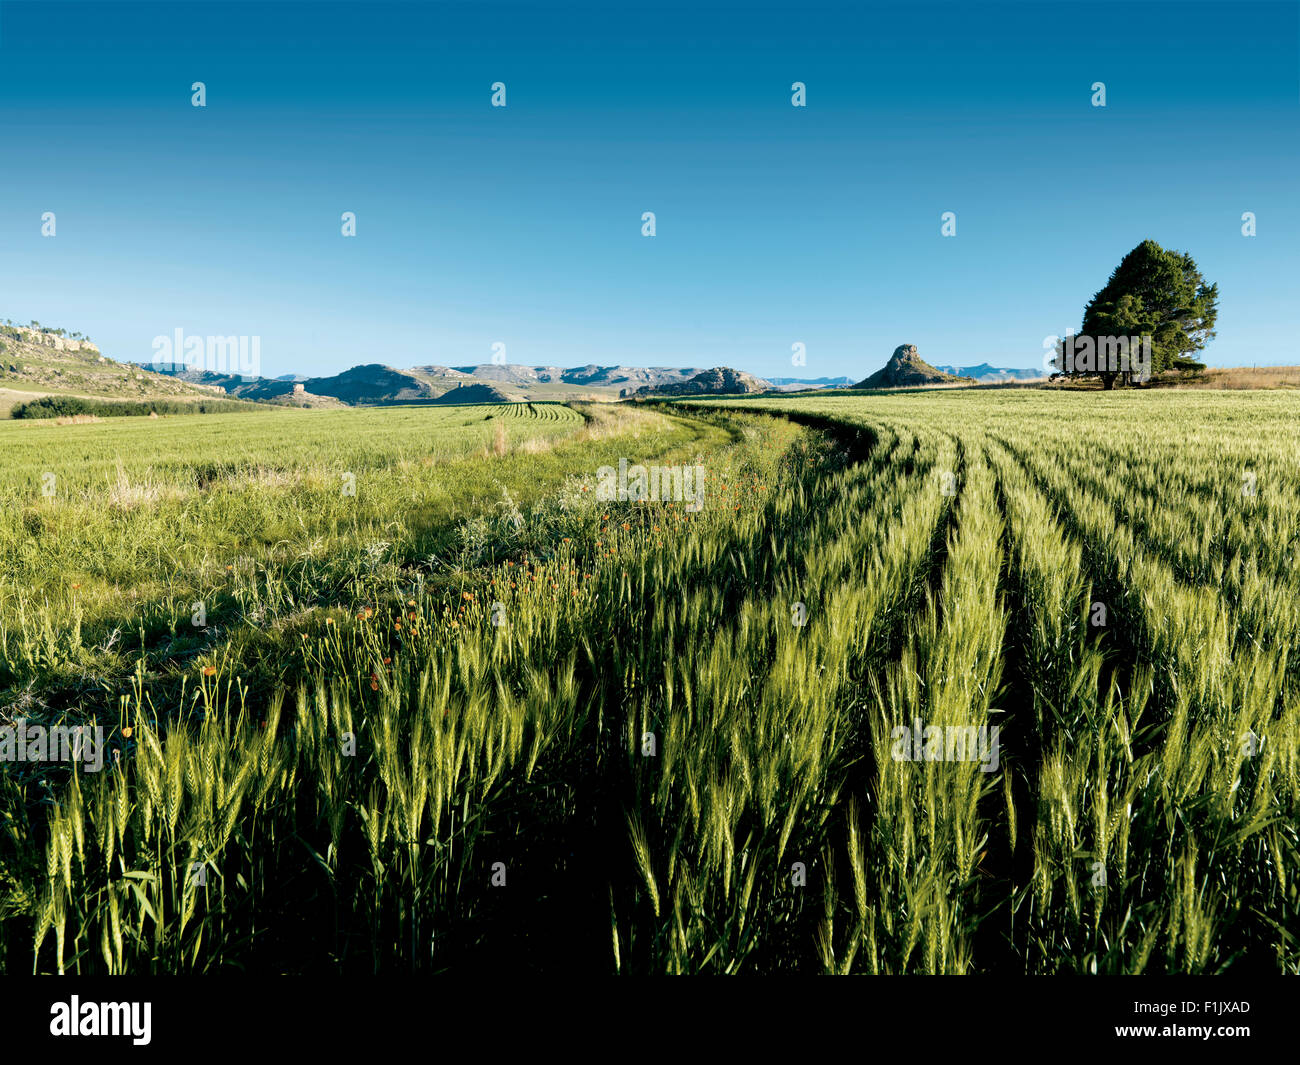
(522, 224)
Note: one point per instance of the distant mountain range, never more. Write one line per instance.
(985, 373)
(35, 360)
(794, 384)
(490, 383)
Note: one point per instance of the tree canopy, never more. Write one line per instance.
(1157, 293)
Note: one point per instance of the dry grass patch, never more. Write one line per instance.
(1243, 377)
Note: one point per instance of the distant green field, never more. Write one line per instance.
(178, 451)
(145, 510)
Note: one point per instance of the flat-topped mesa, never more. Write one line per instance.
(906, 369)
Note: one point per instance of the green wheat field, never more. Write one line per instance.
(395, 690)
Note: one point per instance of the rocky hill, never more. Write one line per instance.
(720, 381)
(37, 361)
(906, 369)
(473, 393)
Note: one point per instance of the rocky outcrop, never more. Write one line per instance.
(906, 369)
(53, 340)
(720, 381)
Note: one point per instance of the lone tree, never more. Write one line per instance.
(1155, 293)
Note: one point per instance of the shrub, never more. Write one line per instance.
(71, 406)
